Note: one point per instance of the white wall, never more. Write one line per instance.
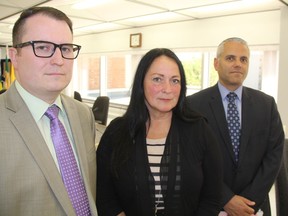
(257, 29)
(283, 70)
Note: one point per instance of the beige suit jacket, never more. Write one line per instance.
(30, 183)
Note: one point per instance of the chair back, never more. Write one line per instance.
(77, 96)
(100, 109)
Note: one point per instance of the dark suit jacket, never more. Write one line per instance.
(261, 144)
(30, 183)
(282, 185)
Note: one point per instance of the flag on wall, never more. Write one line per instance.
(2, 74)
(12, 73)
(7, 81)
(7, 75)
(2, 78)
(1, 81)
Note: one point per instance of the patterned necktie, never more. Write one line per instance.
(233, 121)
(67, 163)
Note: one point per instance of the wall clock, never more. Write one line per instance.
(136, 40)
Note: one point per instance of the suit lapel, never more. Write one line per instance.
(33, 139)
(79, 141)
(75, 125)
(248, 112)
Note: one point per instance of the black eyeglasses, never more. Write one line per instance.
(46, 49)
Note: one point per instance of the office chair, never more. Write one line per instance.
(77, 96)
(100, 109)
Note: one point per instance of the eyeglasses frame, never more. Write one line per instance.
(21, 45)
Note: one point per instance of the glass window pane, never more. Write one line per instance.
(112, 74)
(87, 78)
(213, 75)
(192, 63)
(116, 78)
(120, 75)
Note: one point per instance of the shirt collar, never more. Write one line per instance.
(36, 106)
(224, 91)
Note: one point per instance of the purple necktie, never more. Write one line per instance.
(233, 121)
(67, 163)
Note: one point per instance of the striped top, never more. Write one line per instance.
(155, 149)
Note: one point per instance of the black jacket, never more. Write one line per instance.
(201, 172)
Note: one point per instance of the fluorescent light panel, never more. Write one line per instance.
(229, 6)
(89, 4)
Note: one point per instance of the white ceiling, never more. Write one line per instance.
(111, 15)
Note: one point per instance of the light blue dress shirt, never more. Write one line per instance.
(224, 92)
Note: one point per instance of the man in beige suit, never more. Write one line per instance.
(30, 180)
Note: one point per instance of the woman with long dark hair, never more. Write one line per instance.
(157, 159)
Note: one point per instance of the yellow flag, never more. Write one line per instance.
(7, 80)
(12, 74)
(7, 74)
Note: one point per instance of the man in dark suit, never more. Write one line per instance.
(33, 180)
(249, 175)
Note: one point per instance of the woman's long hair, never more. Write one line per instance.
(137, 113)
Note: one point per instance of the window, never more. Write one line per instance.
(112, 74)
(192, 63)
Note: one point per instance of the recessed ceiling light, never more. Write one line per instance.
(81, 5)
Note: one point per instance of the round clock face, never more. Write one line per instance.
(135, 40)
